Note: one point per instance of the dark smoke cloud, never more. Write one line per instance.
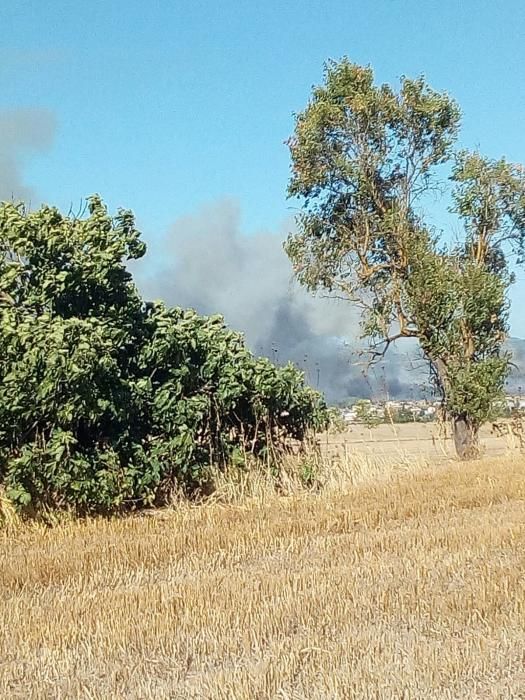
(22, 132)
(207, 262)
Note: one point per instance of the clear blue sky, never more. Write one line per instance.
(167, 105)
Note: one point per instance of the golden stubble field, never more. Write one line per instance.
(432, 441)
(406, 582)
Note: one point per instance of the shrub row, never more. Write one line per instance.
(108, 402)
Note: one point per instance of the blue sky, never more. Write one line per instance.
(167, 106)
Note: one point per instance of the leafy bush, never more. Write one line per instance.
(108, 402)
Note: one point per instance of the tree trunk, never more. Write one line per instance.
(465, 437)
(465, 430)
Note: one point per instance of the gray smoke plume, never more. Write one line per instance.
(22, 132)
(207, 263)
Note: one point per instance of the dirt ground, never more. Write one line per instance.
(408, 440)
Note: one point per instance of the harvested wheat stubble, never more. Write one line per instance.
(411, 586)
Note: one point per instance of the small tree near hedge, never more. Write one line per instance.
(106, 401)
(366, 413)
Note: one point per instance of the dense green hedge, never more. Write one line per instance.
(106, 401)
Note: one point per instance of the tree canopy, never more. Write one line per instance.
(107, 401)
(365, 160)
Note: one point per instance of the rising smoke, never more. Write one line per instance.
(22, 132)
(206, 262)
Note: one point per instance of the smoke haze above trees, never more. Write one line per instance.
(23, 132)
(207, 262)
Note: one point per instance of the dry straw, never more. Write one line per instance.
(379, 580)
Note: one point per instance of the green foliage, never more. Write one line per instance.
(461, 311)
(335, 421)
(401, 415)
(309, 471)
(367, 414)
(107, 402)
(404, 414)
(365, 159)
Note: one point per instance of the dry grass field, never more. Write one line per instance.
(402, 581)
(428, 440)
